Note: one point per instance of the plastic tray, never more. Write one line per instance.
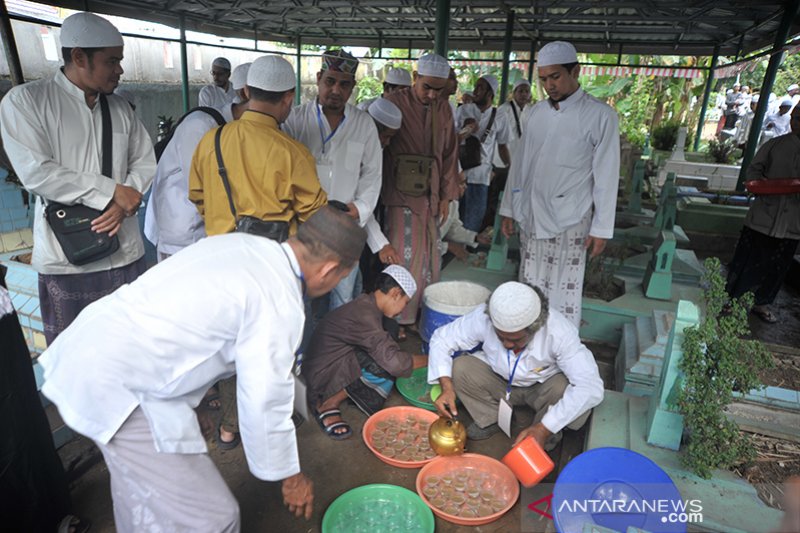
(415, 389)
(614, 474)
(378, 508)
(505, 483)
(773, 186)
(399, 412)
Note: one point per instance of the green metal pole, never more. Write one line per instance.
(506, 56)
(706, 96)
(184, 66)
(442, 26)
(782, 34)
(299, 85)
(10, 47)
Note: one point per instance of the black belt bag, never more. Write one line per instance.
(277, 231)
(271, 229)
(72, 224)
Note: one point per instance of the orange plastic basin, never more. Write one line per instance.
(529, 462)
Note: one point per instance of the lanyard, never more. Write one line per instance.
(511, 372)
(300, 276)
(321, 129)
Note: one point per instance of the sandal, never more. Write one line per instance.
(331, 429)
(73, 524)
(765, 315)
(225, 445)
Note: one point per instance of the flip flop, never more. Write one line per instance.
(331, 430)
(224, 445)
(75, 524)
(765, 315)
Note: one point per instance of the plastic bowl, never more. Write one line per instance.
(415, 389)
(400, 412)
(529, 462)
(506, 483)
(375, 507)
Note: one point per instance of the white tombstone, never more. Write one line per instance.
(677, 153)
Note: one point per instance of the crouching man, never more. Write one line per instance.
(531, 356)
(354, 353)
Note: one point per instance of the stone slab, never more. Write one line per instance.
(765, 420)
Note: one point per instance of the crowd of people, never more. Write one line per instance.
(738, 107)
(261, 213)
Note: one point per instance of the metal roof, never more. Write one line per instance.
(667, 27)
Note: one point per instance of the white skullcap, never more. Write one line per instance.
(786, 102)
(557, 53)
(467, 93)
(239, 76)
(127, 95)
(520, 83)
(398, 76)
(514, 306)
(221, 62)
(433, 65)
(729, 91)
(793, 87)
(403, 278)
(87, 30)
(492, 81)
(386, 113)
(271, 73)
(755, 98)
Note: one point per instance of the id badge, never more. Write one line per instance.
(300, 403)
(504, 411)
(324, 173)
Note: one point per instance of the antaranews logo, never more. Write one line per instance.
(614, 510)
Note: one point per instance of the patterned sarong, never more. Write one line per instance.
(556, 266)
(416, 238)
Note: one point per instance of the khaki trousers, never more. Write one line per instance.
(480, 389)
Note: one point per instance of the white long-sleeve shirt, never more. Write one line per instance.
(229, 303)
(779, 124)
(482, 174)
(214, 96)
(514, 134)
(54, 142)
(554, 348)
(566, 163)
(171, 221)
(350, 163)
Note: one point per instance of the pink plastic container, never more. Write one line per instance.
(529, 462)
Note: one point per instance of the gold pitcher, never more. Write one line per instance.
(447, 436)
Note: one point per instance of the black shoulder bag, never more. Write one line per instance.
(276, 230)
(469, 153)
(72, 224)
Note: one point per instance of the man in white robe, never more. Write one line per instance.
(133, 366)
(53, 134)
(562, 189)
(171, 221)
(396, 79)
(344, 142)
(221, 92)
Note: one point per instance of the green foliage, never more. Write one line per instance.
(666, 134)
(723, 151)
(368, 87)
(788, 73)
(716, 359)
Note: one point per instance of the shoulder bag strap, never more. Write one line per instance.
(223, 172)
(488, 129)
(516, 118)
(107, 144)
(433, 132)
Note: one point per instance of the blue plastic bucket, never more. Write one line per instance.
(445, 301)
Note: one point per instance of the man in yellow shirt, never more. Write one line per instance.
(272, 177)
